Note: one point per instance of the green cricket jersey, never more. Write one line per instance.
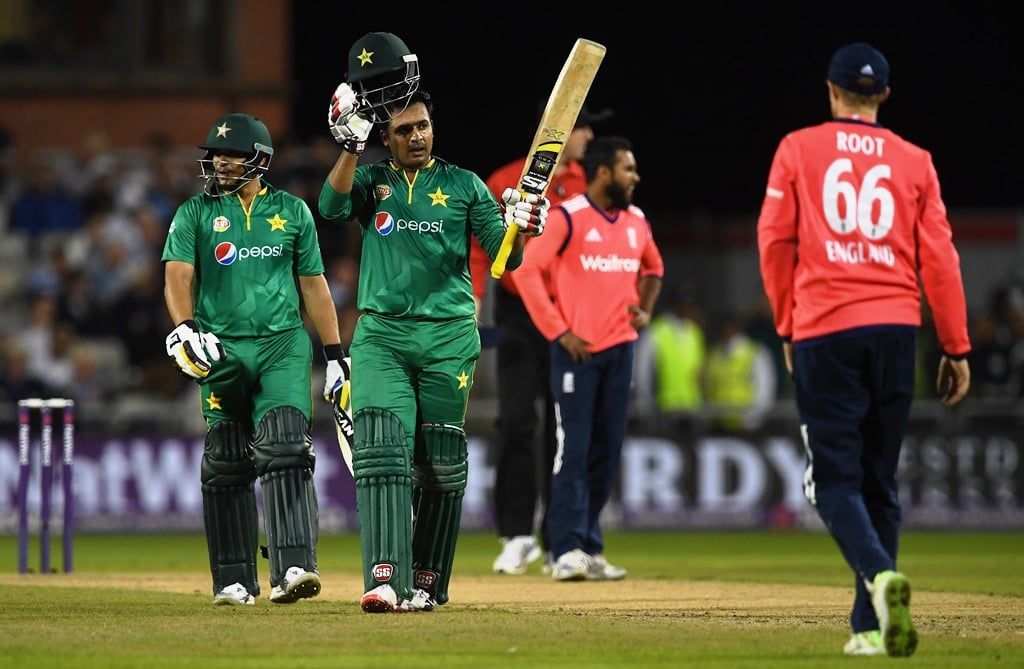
(246, 264)
(416, 236)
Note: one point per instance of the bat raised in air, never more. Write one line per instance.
(556, 123)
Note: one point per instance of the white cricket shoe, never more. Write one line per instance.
(297, 584)
(382, 599)
(601, 570)
(865, 643)
(573, 565)
(421, 601)
(234, 595)
(516, 554)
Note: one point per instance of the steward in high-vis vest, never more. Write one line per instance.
(740, 379)
(670, 358)
(679, 353)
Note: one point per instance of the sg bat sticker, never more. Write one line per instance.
(542, 164)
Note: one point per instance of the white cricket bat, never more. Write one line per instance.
(556, 123)
(342, 407)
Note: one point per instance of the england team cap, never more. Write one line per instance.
(859, 68)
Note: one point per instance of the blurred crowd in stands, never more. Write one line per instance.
(81, 293)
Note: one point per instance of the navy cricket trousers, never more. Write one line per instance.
(854, 391)
(591, 406)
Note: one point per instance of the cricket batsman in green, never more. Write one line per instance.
(416, 345)
(241, 260)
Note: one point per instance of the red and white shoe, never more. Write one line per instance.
(382, 599)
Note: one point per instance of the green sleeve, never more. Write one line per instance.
(333, 204)
(181, 235)
(346, 206)
(309, 262)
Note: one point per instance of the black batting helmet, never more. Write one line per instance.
(383, 73)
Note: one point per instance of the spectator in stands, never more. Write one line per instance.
(76, 304)
(15, 382)
(53, 367)
(141, 319)
(89, 383)
(83, 169)
(45, 209)
(36, 337)
(99, 191)
(49, 277)
(156, 181)
(110, 249)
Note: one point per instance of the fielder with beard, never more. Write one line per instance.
(605, 272)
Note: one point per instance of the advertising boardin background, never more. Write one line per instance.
(667, 482)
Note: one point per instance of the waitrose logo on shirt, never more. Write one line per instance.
(612, 263)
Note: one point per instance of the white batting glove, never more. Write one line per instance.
(338, 371)
(192, 351)
(348, 128)
(337, 374)
(526, 210)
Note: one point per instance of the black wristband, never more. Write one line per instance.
(191, 323)
(354, 146)
(334, 352)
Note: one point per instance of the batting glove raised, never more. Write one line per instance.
(348, 128)
(193, 352)
(526, 210)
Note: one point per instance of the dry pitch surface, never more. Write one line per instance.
(716, 603)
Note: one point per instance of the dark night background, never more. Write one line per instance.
(705, 93)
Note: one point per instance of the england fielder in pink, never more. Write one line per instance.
(606, 273)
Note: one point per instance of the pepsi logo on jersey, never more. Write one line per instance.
(227, 253)
(385, 224)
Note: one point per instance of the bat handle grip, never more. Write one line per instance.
(498, 266)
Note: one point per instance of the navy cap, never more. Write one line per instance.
(859, 68)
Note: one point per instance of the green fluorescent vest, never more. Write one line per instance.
(678, 357)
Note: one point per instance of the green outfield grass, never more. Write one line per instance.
(700, 599)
